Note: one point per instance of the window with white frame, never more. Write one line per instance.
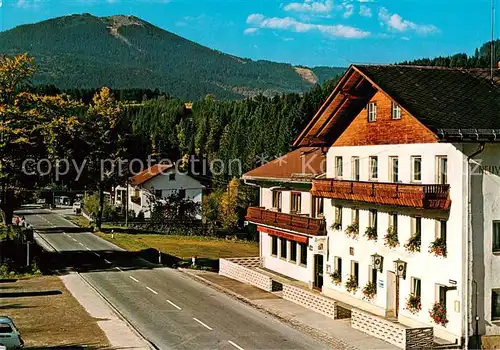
(338, 216)
(274, 245)
(355, 216)
(277, 200)
(373, 218)
(372, 276)
(393, 169)
(295, 203)
(416, 225)
(339, 167)
(495, 304)
(393, 221)
(416, 287)
(372, 112)
(337, 266)
(355, 168)
(355, 271)
(318, 207)
(293, 251)
(396, 111)
(283, 246)
(416, 168)
(442, 170)
(373, 168)
(441, 228)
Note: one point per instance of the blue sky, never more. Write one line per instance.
(307, 32)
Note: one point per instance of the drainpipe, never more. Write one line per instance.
(468, 251)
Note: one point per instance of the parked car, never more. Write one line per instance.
(10, 337)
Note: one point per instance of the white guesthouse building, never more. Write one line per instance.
(156, 183)
(409, 198)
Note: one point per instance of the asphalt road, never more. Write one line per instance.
(167, 307)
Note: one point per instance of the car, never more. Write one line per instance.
(10, 337)
(77, 207)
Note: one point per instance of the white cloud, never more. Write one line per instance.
(398, 23)
(249, 31)
(365, 11)
(311, 6)
(349, 9)
(291, 24)
(27, 4)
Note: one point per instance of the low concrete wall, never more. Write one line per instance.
(241, 270)
(310, 300)
(394, 333)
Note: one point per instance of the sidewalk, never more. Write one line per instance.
(117, 330)
(336, 332)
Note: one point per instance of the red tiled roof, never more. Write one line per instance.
(149, 173)
(302, 164)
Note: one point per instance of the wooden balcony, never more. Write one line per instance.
(396, 194)
(297, 223)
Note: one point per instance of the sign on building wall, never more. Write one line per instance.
(319, 245)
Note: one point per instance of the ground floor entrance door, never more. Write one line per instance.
(318, 271)
(392, 294)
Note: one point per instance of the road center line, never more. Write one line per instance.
(133, 279)
(107, 261)
(118, 268)
(203, 324)
(80, 243)
(151, 290)
(235, 345)
(178, 308)
(97, 254)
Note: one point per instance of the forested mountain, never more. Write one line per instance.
(84, 51)
(480, 59)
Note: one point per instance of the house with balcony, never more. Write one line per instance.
(157, 183)
(289, 220)
(411, 196)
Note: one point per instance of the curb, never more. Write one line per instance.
(336, 343)
(150, 344)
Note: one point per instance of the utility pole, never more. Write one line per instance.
(492, 48)
(126, 204)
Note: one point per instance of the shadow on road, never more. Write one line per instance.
(60, 229)
(66, 347)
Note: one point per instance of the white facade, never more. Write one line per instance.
(160, 187)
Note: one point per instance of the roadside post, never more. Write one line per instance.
(159, 256)
(27, 237)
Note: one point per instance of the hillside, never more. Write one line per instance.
(84, 51)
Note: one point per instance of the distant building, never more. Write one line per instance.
(408, 204)
(157, 183)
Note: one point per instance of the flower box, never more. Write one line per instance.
(371, 233)
(336, 226)
(352, 230)
(438, 314)
(414, 243)
(438, 247)
(369, 291)
(391, 238)
(413, 304)
(351, 285)
(336, 277)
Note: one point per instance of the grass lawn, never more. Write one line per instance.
(47, 321)
(185, 246)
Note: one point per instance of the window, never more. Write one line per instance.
(373, 218)
(274, 245)
(416, 168)
(373, 168)
(496, 236)
(355, 215)
(393, 222)
(171, 176)
(277, 200)
(417, 225)
(338, 216)
(338, 266)
(495, 304)
(182, 193)
(372, 112)
(416, 287)
(442, 173)
(318, 207)
(441, 231)
(339, 167)
(293, 251)
(396, 111)
(158, 194)
(5, 328)
(393, 169)
(303, 254)
(283, 247)
(355, 168)
(295, 205)
(355, 271)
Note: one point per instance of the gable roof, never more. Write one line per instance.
(448, 101)
(301, 165)
(148, 174)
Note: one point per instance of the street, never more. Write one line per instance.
(167, 307)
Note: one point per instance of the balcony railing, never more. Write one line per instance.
(397, 194)
(292, 222)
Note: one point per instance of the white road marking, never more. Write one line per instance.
(134, 279)
(107, 261)
(178, 308)
(151, 290)
(64, 233)
(87, 248)
(97, 254)
(118, 268)
(203, 324)
(235, 345)
(74, 239)
(80, 243)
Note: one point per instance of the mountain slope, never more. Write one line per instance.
(84, 51)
